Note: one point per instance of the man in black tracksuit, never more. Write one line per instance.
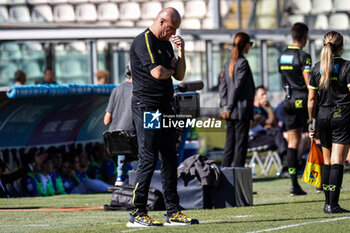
(153, 63)
(295, 68)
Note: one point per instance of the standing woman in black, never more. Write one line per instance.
(236, 91)
(329, 88)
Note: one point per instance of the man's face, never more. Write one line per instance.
(261, 96)
(48, 76)
(168, 28)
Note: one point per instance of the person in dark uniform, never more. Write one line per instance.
(236, 92)
(329, 89)
(295, 68)
(153, 64)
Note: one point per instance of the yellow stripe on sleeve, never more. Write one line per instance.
(312, 88)
(148, 48)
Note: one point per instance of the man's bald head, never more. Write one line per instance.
(169, 13)
(166, 23)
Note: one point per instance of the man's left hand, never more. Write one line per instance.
(179, 42)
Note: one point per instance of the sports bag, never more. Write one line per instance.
(122, 199)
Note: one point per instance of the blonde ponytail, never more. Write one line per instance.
(326, 66)
(332, 46)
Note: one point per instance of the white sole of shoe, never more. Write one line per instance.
(176, 224)
(135, 225)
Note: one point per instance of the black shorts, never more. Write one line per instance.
(295, 112)
(334, 125)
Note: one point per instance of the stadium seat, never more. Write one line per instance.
(7, 71)
(16, 2)
(301, 6)
(207, 23)
(10, 51)
(321, 22)
(32, 50)
(195, 9)
(107, 12)
(4, 15)
(144, 23)
(292, 19)
(70, 68)
(129, 11)
(36, 2)
(321, 6)
(55, 2)
(150, 10)
(42, 13)
(32, 69)
(224, 8)
(341, 5)
(178, 5)
(266, 8)
(266, 22)
(20, 14)
(97, 1)
(77, 1)
(63, 13)
(339, 21)
(191, 24)
(86, 13)
(125, 23)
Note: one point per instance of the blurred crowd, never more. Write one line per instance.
(57, 171)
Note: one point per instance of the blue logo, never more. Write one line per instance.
(151, 120)
(287, 59)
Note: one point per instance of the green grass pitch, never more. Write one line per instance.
(273, 211)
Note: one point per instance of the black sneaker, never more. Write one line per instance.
(297, 191)
(142, 221)
(327, 209)
(338, 210)
(179, 218)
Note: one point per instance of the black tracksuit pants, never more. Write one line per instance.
(236, 143)
(151, 143)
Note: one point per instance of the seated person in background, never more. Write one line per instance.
(45, 178)
(102, 167)
(31, 183)
(263, 130)
(76, 166)
(83, 159)
(56, 157)
(20, 78)
(102, 77)
(11, 177)
(80, 185)
(49, 77)
(119, 117)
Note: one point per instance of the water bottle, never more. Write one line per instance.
(254, 169)
(287, 90)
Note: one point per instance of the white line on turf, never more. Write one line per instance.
(205, 221)
(29, 225)
(301, 224)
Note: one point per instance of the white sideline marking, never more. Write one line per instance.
(205, 221)
(300, 224)
(29, 225)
